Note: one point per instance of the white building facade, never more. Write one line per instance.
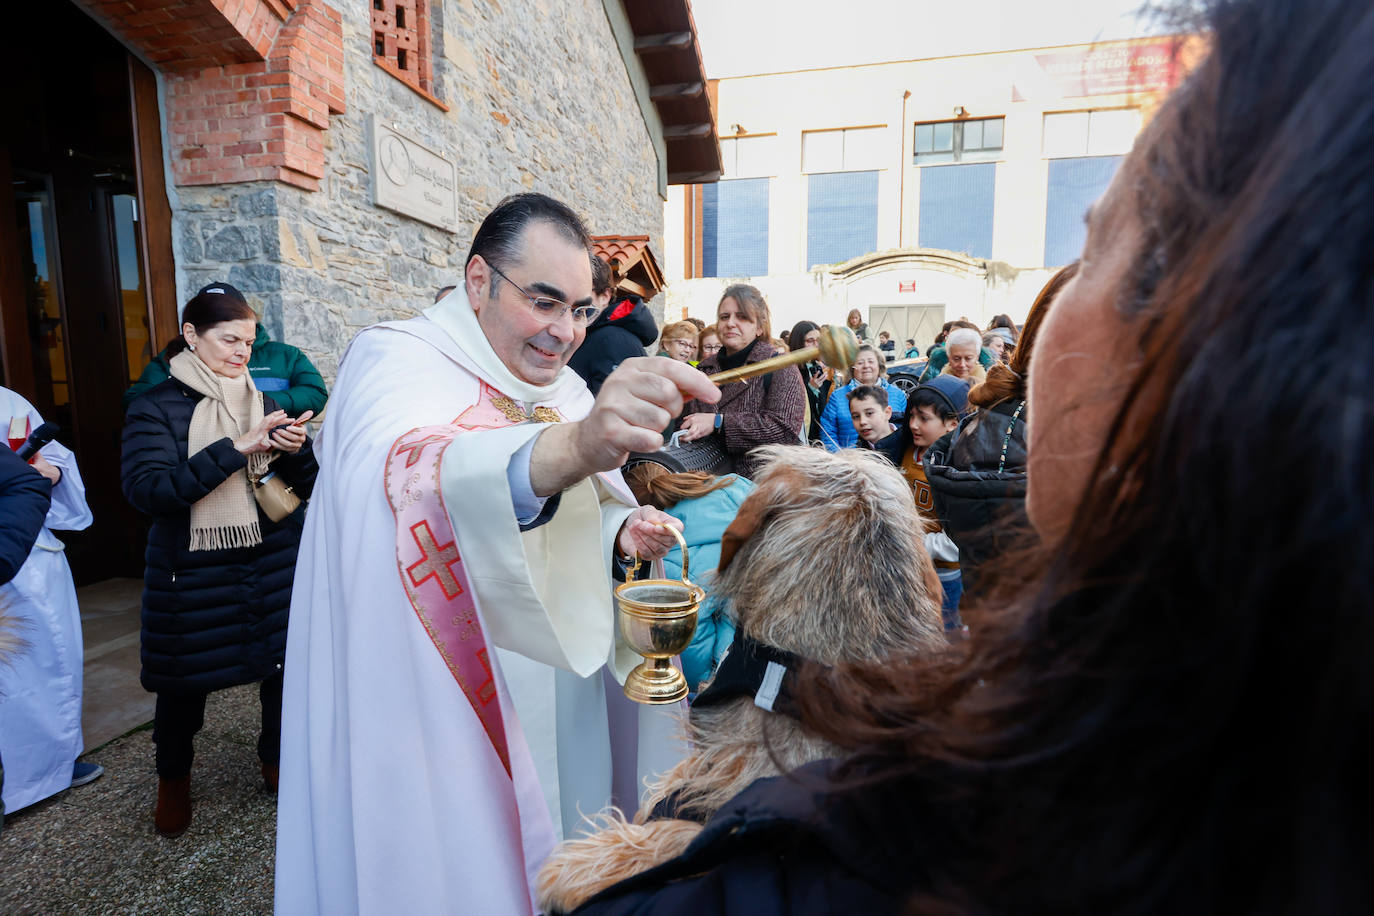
(915, 191)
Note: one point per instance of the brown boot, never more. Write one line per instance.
(270, 772)
(173, 814)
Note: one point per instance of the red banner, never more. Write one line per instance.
(1149, 67)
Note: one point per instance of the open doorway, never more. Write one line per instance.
(78, 315)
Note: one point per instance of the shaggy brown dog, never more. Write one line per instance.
(826, 560)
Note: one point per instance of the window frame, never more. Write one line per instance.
(1087, 151)
(956, 150)
(845, 166)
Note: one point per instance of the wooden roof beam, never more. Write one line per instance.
(662, 41)
(676, 91)
(680, 131)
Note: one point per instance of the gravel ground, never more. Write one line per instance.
(93, 850)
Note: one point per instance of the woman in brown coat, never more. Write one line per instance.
(758, 411)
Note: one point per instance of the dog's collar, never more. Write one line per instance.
(757, 670)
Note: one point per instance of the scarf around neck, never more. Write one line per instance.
(735, 360)
(455, 316)
(227, 516)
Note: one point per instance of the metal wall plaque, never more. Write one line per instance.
(411, 178)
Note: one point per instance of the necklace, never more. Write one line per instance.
(1006, 439)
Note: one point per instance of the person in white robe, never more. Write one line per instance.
(445, 714)
(40, 685)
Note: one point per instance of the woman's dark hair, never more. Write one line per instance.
(1003, 321)
(602, 279)
(796, 340)
(751, 305)
(1008, 380)
(1174, 710)
(214, 304)
(498, 238)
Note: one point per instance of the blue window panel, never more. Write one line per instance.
(841, 216)
(1074, 185)
(956, 208)
(734, 239)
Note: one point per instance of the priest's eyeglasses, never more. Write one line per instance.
(548, 309)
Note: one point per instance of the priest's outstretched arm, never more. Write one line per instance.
(636, 403)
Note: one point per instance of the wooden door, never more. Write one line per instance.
(86, 289)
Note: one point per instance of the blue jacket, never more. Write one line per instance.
(837, 430)
(704, 521)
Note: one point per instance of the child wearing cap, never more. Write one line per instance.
(933, 410)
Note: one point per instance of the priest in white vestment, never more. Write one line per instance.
(446, 715)
(40, 686)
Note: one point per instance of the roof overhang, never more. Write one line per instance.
(668, 51)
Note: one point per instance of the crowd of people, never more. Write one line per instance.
(1016, 632)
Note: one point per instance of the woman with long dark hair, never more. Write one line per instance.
(1173, 709)
(816, 379)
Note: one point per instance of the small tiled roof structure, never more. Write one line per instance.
(632, 263)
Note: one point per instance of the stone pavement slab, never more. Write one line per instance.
(113, 701)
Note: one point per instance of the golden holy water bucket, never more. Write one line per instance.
(657, 620)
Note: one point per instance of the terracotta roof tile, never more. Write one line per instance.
(632, 260)
(625, 248)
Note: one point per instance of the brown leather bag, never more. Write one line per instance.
(275, 497)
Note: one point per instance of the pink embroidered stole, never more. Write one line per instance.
(427, 559)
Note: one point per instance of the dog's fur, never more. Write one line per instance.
(11, 643)
(835, 571)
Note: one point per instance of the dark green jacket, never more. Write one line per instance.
(279, 369)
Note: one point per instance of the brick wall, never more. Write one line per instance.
(250, 83)
(322, 265)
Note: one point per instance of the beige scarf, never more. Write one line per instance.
(227, 516)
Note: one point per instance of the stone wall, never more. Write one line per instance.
(538, 99)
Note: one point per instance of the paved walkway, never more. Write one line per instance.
(93, 850)
(113, 701)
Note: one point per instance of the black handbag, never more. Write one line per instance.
(706, 454)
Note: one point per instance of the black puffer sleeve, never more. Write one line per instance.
(155, 478)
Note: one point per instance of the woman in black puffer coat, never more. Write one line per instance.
(217, 587)
(977, 473)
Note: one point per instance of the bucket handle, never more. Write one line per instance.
(681, 542)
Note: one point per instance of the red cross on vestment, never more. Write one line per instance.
(436, 561)
(415, 448)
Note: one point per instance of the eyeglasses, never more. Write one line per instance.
(709, 348)
(549, 309)
(682, 343)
